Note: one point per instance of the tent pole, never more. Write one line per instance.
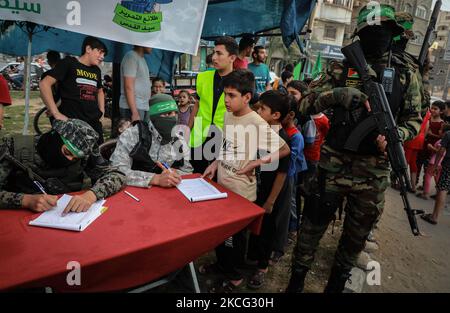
(116, 96)
(27, 87)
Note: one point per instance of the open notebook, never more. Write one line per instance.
(198, 189)
(72, 221)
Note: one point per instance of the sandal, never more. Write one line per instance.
(428, 218)
(275, 258)
(226, 286)
(257, 280)
(422, 196)
(209, 268)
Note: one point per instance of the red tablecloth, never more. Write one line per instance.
(131, 244)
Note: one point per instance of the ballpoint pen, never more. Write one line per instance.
(41, 188)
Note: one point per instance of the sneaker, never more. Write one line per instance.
(370, 247)
(362, 261)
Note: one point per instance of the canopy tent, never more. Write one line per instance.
(222, 18)
(231, 17)
(15, 42)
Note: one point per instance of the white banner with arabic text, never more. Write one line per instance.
(174, 25)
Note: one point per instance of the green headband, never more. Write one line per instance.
(72, 148)
(385, 11)
(407, 25)
(163, 107)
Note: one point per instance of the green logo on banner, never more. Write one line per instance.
(138, 22)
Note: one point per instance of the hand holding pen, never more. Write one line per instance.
(168, 178)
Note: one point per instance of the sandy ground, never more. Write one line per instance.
(408, 263)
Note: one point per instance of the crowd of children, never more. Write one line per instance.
(428, 152)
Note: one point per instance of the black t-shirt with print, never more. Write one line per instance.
(268, 177)
(79, 85)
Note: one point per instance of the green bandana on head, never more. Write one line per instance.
(72, 148)
(163, 107)
(162, 103)
(369, 14)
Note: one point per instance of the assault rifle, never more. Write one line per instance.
(53, 185)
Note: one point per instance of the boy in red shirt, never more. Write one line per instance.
(312, 152)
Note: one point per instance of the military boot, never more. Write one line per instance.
(337, 280)
(297, 280)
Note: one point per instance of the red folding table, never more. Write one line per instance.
(131, 244)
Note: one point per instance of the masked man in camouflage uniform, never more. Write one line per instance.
(60, 161)
(406, 20)
(360, 179)
(143, 148)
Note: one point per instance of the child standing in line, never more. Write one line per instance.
(434, 165)
(274, 194)
(184, 107)
(296, 166)
(443, 186)
(432, 131)
(236, 166)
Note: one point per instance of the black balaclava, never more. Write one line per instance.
(49, 148)
(376, 40)
(164, 126)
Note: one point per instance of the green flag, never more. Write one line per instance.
(317, 67)
(297, 71)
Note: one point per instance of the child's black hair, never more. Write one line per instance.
(276, 101)
(298, 85)
(94, 43)
(286, 75)
(230, 44)
(246, 41)
(242, 80)
(440, 104)
(158, 79)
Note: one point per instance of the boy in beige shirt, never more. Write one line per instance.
(245, 132)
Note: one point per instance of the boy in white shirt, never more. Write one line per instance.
(245, 132)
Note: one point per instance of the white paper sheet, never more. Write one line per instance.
(198, 189)
(72, 221)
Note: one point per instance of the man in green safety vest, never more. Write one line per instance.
(206, 122)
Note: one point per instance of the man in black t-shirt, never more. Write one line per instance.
(80, 85)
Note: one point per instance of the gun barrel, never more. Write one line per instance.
(431, 26)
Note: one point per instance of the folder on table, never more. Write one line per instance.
(198, 189)
(72, 221)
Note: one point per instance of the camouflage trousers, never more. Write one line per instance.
(360, 183)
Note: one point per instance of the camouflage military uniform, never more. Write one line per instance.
(167, 153)
(357, 179)
(106, 180)
(406, 20)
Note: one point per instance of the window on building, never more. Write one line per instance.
(419, 38)
(408, 8)
(447, 17)
(421, 12)
(330, 32)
